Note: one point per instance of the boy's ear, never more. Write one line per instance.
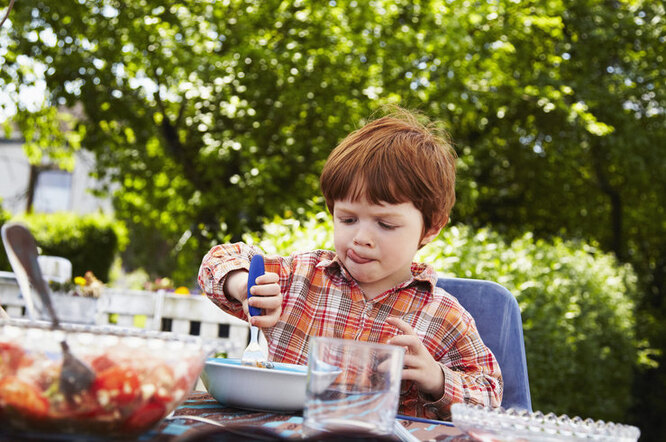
(433, 232)
(430, 235)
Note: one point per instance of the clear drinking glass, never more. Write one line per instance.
(352, 387)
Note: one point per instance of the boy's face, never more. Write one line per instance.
(377, 243)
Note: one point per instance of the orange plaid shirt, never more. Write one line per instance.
(321, 299)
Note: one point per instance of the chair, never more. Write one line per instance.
(55, 268)
(498, 320)
(10, 296)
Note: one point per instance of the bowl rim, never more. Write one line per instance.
(208, 345)
(234, 364)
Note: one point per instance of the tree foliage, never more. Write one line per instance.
(211, 115)
(208, 115)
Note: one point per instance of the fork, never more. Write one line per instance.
(172, 417)
(253, 354)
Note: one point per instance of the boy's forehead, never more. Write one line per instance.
(379, 208)
(361, 191)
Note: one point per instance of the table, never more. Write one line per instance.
(201, 404)
(178, 428)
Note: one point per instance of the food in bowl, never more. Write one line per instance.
(140, 377)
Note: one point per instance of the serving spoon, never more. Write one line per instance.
(75, 375)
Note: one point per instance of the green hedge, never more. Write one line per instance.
(90, 242)
(576, 302)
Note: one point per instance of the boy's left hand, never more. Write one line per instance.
(420, 366)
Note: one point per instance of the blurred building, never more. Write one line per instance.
(54, 190)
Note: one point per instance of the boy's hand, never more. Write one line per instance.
(420, 366)
(266, 295)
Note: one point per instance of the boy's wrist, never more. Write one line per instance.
(437, 393)
(233, 286)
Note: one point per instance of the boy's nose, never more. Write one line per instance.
(362, 238)
(362, 242)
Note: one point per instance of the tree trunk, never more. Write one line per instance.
(32, 186)
(615, 202)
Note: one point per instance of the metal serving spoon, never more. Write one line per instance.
(75, 375)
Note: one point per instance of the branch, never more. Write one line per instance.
(11, 4)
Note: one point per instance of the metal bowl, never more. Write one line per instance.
(140, 377)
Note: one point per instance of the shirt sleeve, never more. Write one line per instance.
(471, 373)
(226, 258)
(216, 266)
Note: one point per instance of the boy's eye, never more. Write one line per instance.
(386, 226)
(347, 220)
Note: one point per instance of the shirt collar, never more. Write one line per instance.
(334, 268)
(424, 273)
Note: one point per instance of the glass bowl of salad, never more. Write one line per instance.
(140, 377)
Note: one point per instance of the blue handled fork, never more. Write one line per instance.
(253, 354)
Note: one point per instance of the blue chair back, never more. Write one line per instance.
(498, 320)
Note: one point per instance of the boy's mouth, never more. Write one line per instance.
(358, 259)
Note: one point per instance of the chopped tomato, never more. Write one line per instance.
(119, 384)
(145, 416)
(101, 363)
(12, 357)
(128, 395)
(47, 378)
(186, 381)
(86, 406)
(162, 378)
(22, 397)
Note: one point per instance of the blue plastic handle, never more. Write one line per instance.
(256, 270)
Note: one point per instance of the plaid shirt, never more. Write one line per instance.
(321, 299)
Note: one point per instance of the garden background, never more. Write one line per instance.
(210, 121)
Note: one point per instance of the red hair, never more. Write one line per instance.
(394, 159)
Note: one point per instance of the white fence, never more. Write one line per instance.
(181, 314)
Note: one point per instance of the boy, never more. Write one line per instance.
(390, 187)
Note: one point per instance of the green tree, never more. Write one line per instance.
(209, 115)
(561, 126)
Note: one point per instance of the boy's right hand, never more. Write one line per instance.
(266, 295)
